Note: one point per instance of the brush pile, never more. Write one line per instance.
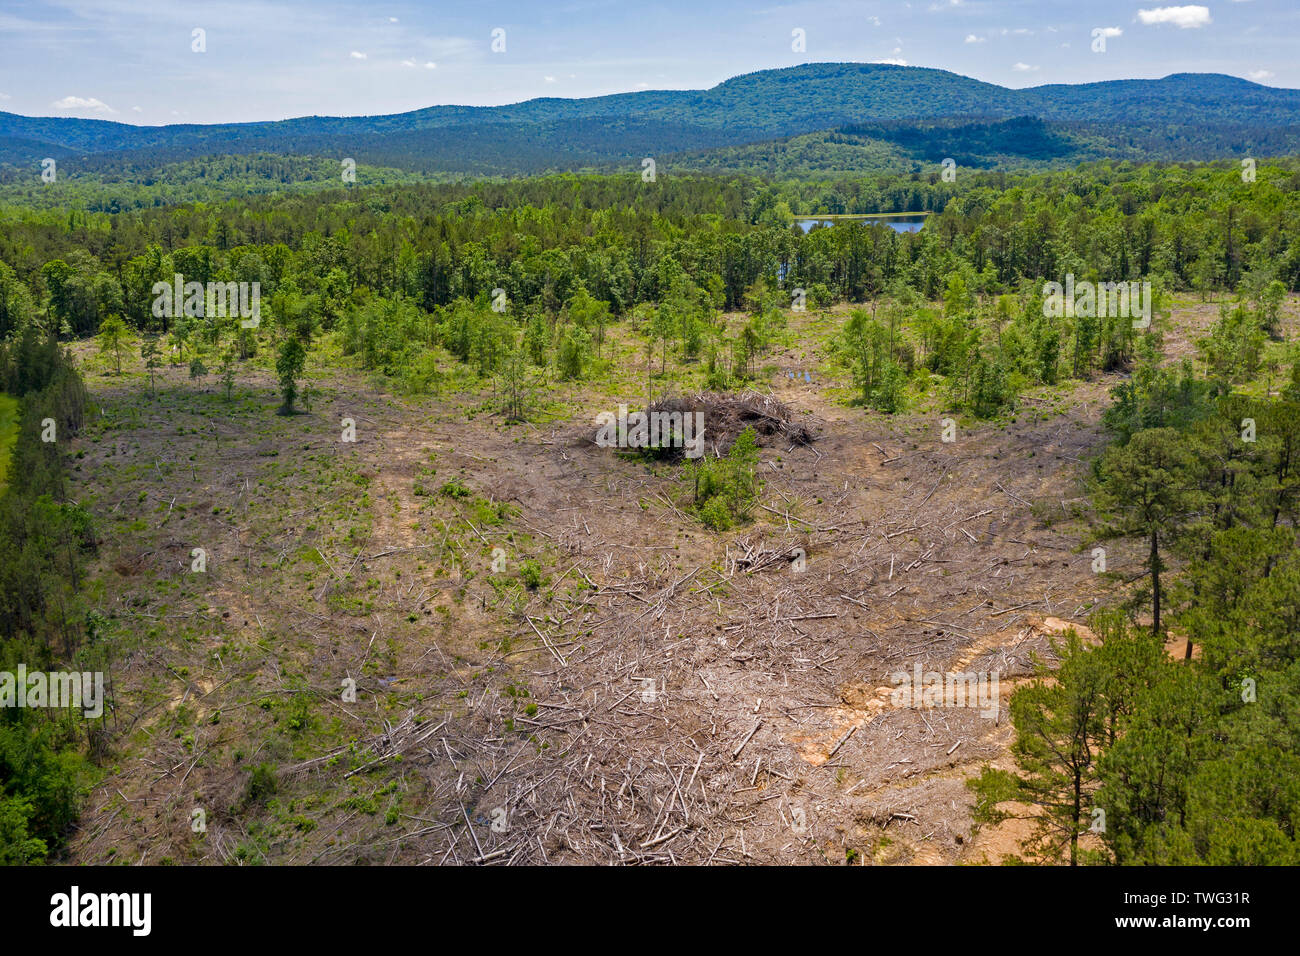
(727, 415)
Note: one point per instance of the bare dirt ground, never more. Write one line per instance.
(667, 695)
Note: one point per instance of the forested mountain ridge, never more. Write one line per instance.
(1185, 116)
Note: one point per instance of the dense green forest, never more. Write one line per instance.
(389, 273)
(45, 620)
(116, 183)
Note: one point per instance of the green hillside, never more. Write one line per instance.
(1185, 116)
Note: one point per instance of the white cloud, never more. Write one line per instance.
(392, 19)
(83, 103)
(136, 109)
(5, 96)
(1260, 75)
(430, 65)
(357, 56)
(549, 79)
(1023, 68)
(891, 62)
(410, 63)
(972, 38)
(1108, 32)
(1184, 18)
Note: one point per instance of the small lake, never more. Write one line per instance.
(908, 222)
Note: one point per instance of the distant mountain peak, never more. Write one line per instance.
(556, 133)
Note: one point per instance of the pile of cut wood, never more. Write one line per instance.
(726, 415)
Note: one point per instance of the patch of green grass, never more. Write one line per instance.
(454, 489)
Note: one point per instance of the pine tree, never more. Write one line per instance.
(149, 352)
(288, 368)
(1058, 720)
(1147, 487)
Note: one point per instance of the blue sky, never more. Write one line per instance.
(132, 60)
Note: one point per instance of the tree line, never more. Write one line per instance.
(46, 621)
